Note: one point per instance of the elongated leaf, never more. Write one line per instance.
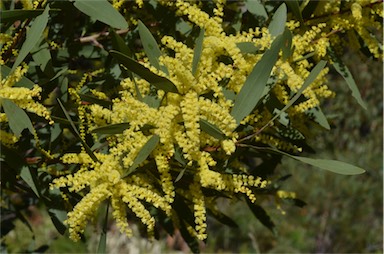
(86, 147)
(247, 47)
(198, 50)
(311, 77)
(13, 15)
(102, 248)
(24, 82)
(18, 120)
(277, 24)
(335, 166)
(112, 128)
(58, 217)
(156, 80)
(180, 175)
(257, 8)
(145, 151)
(33, 36)
(211, 129)
(94, 99)
(343, 70)
(338, 167)
(119, 44)
(151, 48)
(43, 58)
(221, 217)
(295, 8)
(27, 176)
(320, 118)
(262, 216)
(254, 85)
(287, 45)
(102, 11)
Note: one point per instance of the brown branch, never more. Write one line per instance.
(93, 38)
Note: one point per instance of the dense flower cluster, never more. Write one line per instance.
(179, 145)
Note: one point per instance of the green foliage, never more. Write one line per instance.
(162, 112)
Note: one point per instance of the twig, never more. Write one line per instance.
(93, 38)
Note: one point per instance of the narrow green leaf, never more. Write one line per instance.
(211, 129)
(18, 120)
(156, 80)
(198, 50)
(343, 70)
(24, 82)
(86, 147)
(58, 217)
(257, 8)
(102, 11)
(221, 217)
(320, 118)
(338, 167)
(145, 151)
(295, 8)
(262, 216)
(43, 59)
(13, 15)
(119, 44)
(311, 77)
(335, 166)
(304, 57)
(277, 24)
(247, 47)
(179, 156)
(102, 248)
(287, 44)
(152, 101)
(26, 175)
(151, 48)
(33, 36)
(254, 85)
(95, 100)
(112, 128)
(180, 175)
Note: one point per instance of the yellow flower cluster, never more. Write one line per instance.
(136, 172)
(23, 97)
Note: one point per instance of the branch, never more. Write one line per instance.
(93, 38)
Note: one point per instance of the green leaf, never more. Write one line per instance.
(13, 15)
(221, 217)
(86, 147)
(338, 167)
(295, 8)
(102, 248)
(320, 118)
(311, 77)
(58, 217)
(43, 59)
(18, 120)
(33, 36)
(180, 175)
(277, 24)
(156, 80)
(152, 101)
(119, 44)
(335, 166)
(254, 85)
(29, 178)
(262, 216)
(112, 128)
(94, 99)
(211, 129)
(24, 82)
(257, 8)
(151, 48)
(102, 11)
(145, 151)
(287, 44)
(343, 70)
(198, 50)
(247, 47)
